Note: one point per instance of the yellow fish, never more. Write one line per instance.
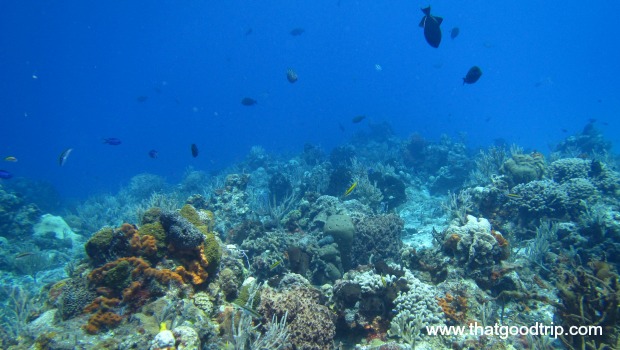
(10, 159)
(512, 195)
(348, 192)
(274, 265)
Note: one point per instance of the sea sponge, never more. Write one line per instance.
(212, 251)
(98, 243)
(180, 232)
(155, 230)
(191, 215)
(102, 321)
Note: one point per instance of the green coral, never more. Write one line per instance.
(156, 230)
(213, 252)
(99, 242)
(151, 216)
(190, 213)
(118, 277)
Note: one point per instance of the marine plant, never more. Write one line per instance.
(589, 299)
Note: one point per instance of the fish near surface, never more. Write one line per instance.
(430, 23)
(297, 31)
(358, 119)
(454, 32)
(291, 76)
(248, 101)
(473, 75)
(112, 141)
(62, 158)
(5, 175)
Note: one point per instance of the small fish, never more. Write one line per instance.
(23, 255)
(358, 118)
(62, 159)
(297, 31)
(194, 150)
(248, 31)
(5, 175)
(250, 310)
(383, 281)
(350, 189)
(275, 264)
(112, 141)
(473, 75)
(247, 101)
(10, 159)
(291, 76)
(430, 23)
(142, 98)
(341, 127)
(513, 195)
(153, 154)
(454, 32)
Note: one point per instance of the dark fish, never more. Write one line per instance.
(454, 32)
(5, 174)
(247, 101)
(112, 141)
(297, 31)
(291, 76)
(430, 23)
(153, 154)
(248, 31)
(62, 159)
(596, 168)
(23, 255)
(341, 127)
(142, 98)
(473, 75)
(358, 118)
(194, 150)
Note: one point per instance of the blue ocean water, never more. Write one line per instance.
(74, 72)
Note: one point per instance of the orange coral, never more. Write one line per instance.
(503, 242)
(164, 276)
(454, 308)
(102, 321)
(148, 246)
(194, 265)
(452, 242)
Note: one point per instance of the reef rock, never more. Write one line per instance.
(54, 227)
(474, 244)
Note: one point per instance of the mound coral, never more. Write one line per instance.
(310, 324)
(377, 236)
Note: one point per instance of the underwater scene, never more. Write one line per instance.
(288, 175)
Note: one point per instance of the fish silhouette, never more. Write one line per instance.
(473, 75)
(430, 23)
